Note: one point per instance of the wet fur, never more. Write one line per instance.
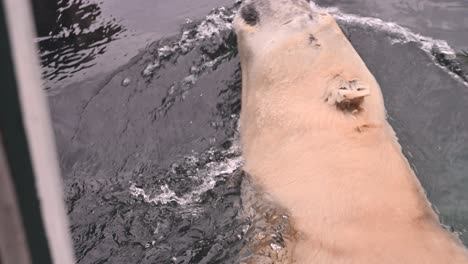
(336, 167)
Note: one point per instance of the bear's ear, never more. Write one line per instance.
(250, 14)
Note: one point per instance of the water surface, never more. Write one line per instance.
(447, 19)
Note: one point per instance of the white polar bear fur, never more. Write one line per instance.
(342, 175)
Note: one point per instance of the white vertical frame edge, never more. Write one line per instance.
(38, 128)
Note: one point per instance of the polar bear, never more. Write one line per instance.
(315, 138)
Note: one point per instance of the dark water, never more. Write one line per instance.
(149, 149)
(149, 166)
(447, 19)
(71, 35)
(79, 39)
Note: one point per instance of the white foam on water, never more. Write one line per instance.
(208, 174)
(212, 25)
(165, 197)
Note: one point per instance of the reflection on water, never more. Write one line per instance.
(71, 34)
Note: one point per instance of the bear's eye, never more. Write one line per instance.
(250, 14)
